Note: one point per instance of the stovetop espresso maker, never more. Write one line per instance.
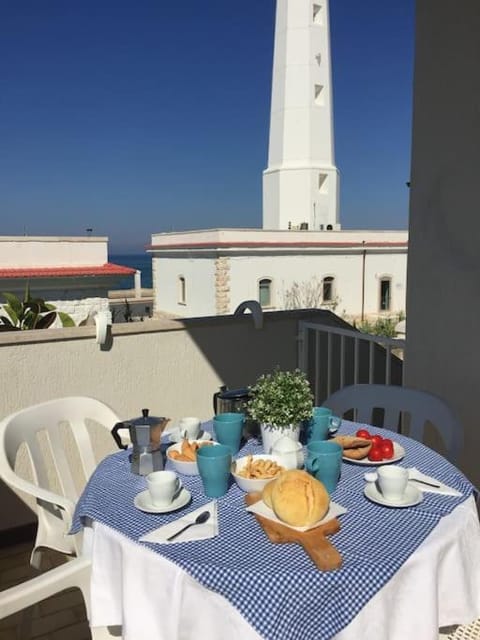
(146, 435)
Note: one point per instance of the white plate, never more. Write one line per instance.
(142, 502)
(398, 454)
(412, 496)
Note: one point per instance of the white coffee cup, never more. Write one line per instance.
(190, 427)
(164, 487)
(392, 482)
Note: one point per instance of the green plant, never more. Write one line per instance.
(30, 313)
(381, 326)
(281, 398)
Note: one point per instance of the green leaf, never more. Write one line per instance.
(14, 303)
(15, 320)
(67, 321)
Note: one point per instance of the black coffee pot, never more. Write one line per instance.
(235, 401)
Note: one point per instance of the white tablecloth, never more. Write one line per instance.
(153, 599)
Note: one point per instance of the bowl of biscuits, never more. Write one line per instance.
(253, 472)
(183, 455)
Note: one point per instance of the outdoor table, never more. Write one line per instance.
(405, 570)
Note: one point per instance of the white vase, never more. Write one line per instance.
(271, 433)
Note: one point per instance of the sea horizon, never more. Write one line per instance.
(140, 261)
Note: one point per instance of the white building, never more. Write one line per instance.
(355, 273)
(73, 273)
(300, 258)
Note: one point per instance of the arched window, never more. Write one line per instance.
(328, 293)
(385, 294)
(182, 290)
(265, 292)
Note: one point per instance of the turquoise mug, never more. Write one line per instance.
(324, 462)
(214, 468)
(228, 429)
(322, 424)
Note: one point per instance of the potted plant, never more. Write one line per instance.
(280, 402)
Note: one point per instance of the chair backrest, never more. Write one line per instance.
(56, 439)
(397, 402)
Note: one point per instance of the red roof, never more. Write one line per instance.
(107, 269)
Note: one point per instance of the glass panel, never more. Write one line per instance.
(384, 295)
(264, 296)
(327, 289)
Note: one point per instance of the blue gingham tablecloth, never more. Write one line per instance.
(276, 587)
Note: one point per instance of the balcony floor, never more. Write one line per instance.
(57, 618)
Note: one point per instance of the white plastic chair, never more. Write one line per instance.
(74, 573)
(396, 401)
(42, 430)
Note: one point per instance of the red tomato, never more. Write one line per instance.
(377, 440)
(375, 454)
(387, 449)
(363, 433)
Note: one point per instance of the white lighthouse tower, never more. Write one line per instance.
(301, 183)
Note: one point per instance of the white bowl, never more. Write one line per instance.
(251, 484)
(180, 466)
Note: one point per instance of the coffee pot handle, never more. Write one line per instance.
(116, 437)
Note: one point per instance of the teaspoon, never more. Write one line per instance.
(200, 519)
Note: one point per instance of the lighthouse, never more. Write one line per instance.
(301, 182)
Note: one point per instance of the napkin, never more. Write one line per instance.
(203, 531)
(262, 509)
(413, 472)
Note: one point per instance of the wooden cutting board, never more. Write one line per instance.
(319, 548)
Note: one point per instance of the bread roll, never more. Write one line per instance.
(297, 498)
(353, 447)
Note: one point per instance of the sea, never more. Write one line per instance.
(141, 261)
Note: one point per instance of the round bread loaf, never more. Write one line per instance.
(353, 447)
(267, 493)
(298, 498)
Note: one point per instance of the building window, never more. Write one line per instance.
(317, 14)
(182, 291)
(327, 289)
(385, 294)
(265, 292)
(319, 96)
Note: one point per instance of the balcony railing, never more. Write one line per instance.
(333, 357)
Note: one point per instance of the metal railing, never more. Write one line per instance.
(334, 357)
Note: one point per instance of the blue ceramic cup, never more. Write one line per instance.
(214, 468)
(324, 462)
(322, 424)
(228, 429)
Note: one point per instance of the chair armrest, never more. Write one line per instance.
(13, 480)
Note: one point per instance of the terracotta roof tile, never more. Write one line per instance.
(107, 269)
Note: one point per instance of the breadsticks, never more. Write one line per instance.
(260, 469)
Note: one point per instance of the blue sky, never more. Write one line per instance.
(144, 116)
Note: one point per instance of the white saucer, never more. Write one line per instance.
(398, 454)
(142, 502)
(412, 496)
